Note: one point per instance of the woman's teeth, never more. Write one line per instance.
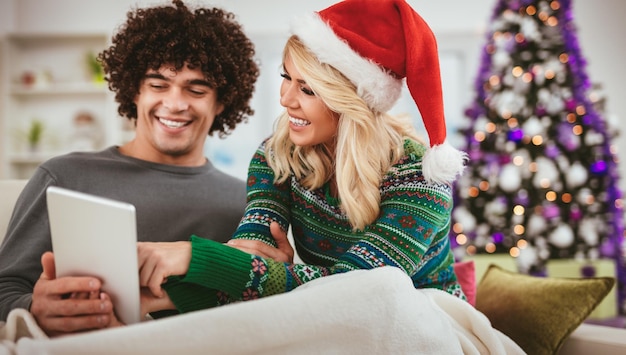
(172, 124)
(299, 122)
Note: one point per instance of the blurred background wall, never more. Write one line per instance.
(458, 24)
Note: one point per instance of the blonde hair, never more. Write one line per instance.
(367, 143)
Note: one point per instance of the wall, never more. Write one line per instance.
(457, 23)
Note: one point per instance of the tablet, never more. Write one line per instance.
(96, 236)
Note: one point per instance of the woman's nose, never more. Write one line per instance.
(287, 94)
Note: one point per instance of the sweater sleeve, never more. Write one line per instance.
(26, 239)
(410, 233)
(215, 272)
(189, 297)
(218, 271)
(266, 202)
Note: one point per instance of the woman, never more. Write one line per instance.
(356, 185)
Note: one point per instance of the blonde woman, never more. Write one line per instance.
(355, 184)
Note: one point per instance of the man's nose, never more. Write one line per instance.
(175, 100)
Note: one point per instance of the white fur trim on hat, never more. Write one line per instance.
(442, 163)
(379, 88)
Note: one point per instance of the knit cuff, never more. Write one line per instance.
(189, 297)
(218, 266)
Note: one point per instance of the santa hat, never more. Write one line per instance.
(376, 44)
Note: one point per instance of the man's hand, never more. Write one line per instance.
(282, 253)
(69, 304)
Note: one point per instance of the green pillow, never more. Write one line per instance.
(538, 313)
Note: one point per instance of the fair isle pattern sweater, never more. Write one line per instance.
(411, 233)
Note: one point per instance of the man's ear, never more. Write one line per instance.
(220, 108)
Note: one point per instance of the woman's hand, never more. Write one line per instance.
(157, 261)
(150, 303)
(282, 253)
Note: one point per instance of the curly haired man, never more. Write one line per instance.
(179, 74)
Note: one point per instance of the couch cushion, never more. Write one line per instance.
(9, 190)
(596, 340)
(538, 313)
(466, 274)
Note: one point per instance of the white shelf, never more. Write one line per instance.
(60, 88)
(74, 88)
(26, 37)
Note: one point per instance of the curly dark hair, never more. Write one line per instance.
(209, 39)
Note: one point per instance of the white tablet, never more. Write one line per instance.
(96, 236)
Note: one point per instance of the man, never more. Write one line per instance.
(179, 75)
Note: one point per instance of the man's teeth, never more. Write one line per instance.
(172, 124)
(299, 122)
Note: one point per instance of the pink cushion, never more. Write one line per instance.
(466, 274)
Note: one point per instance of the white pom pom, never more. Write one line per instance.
(443, 163)
(533, 127)
(555, 104)
(546, 172)
(535, 226)
(593, 138)
(584, 196)
(465, 218)
(510, 178)
(588, 230)
(530, 29)
(562, 236)
(501, 59)
(496, 207)
(527, 258)
(576, 176)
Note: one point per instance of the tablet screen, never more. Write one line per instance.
(96, 236)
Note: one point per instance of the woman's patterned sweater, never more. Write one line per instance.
(411, 233)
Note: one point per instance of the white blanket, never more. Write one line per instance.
(377, 311)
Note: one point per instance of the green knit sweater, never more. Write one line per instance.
(411, 233)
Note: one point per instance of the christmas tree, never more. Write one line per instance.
(542, 181)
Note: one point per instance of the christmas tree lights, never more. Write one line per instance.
(542, 181)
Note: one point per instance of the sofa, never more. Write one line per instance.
(547, 314)
(304, 321)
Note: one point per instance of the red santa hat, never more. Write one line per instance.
(376, 44)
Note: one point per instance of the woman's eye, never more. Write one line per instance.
(305, 90)
(308, 91)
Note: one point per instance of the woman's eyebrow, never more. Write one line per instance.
(301, 81)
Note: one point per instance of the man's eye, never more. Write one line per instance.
(197, 92)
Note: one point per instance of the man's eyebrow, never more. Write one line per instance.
(200, 82)
(155, 76)
(160, 76)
